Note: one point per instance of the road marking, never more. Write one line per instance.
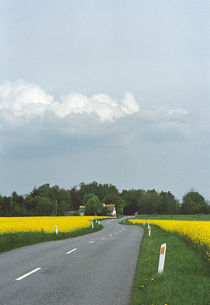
(103, 238)
(110, 235)
(71, 251)
(27, 274)
(90, 242)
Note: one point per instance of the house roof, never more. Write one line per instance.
(82, 208)
(110, 206)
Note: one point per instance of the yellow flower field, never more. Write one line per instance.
(197, 231)
(45, 223)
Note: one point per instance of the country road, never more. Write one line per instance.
(93, 269)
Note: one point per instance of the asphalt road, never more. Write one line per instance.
(93, 269)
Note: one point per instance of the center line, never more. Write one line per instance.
(90, 242)
(27, 274)
(71, 251)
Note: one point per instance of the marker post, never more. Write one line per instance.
(56, 230)
(162, 258)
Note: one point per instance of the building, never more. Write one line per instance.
(111, 208)
(69, 213)
(82, 210)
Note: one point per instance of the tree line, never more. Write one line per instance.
(46, 200)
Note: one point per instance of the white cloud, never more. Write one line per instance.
(178, 111)
(27, 100)
(23, 99)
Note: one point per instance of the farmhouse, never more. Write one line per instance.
(110, 207)
(82, 210)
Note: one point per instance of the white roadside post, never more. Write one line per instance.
(149, 230)
(56, 230)
(92, 225)
(162, 258)
(144, 223)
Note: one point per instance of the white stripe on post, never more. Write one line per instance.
(162, 258)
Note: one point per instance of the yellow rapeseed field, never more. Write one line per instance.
(197, 231)
(44, 223)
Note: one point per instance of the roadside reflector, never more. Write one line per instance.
(162, 258)
(56, 230)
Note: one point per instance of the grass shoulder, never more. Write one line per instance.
(185, 277)
(200, 217)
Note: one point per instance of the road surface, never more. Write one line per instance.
(93, 269)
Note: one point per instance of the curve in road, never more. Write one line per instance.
(93, 269)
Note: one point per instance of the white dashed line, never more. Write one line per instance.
(71, 251)
(90, 242)
(103, 238)
(110, 235)
(27, 274)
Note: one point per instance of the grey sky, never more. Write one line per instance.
(113, 91)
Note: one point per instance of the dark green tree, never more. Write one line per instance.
(194, 203)
(93, 206)
(44, 206)
(169, 204)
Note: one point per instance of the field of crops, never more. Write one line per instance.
(44, 223)
(197, 231)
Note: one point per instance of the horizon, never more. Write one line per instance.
(103, 91)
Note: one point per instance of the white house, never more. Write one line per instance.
(82, 210)
(111, 208)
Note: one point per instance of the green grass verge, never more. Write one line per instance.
(184, 280)
(200, 217)
(11, 241)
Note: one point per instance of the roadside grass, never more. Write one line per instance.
(200, 217)
(184, 280)
(9, 241)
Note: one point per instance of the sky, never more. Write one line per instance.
(111, 91)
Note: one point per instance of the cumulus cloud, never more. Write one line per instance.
(32, 119)
(21, 99)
